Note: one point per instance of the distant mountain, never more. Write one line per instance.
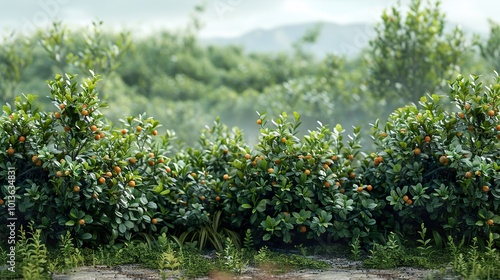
(338, 39)
(346, 40)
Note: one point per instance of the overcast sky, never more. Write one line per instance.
(223, 18)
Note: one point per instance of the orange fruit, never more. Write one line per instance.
(360, 189)
(1, 201)
(335, 158)
(468, 174)
(151, 163)
(225, 177)
(485, 188)
(351, 157)
(259, 121)
(270, 170)
(132, 160)
(67, 172)
(124, 131)
(168, 169)
(131, 184)
(34, 158)
(59, 173)
(490, 222)
(62, 106)
(326, 166)
(10, 151)
(342, 191)
(67, 128)
(409, 202)
(402, 130)
(154, 221)
(155, 132)
(109, 174)
(22, 139)
(307, 172)
(85, 112)
(117, 169)
(303, 229)
(102, 135)
(102, 180)
(427, 139)
(217, 198)
(151, 155)
(383, 134)
(405, 198)
(338, 184)
(467, 106)
(202, 198)
(277, 162)
(97, 137)
(416, 151)
(352, 175)
(376, 162)
(327, 184)
(380, 158)
(491, 113)
(93, 128)
(81, 222)
(478, 173)
(161, 160)
(444, 160)
(498, 127)
(283, 140)
(225, 152)
(57, 115)
(248, 156)
(95, 196)
(461, 115)
(138, 128)
(369, 188)
(76, 188)
(308, 156)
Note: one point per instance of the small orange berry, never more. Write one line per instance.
(10, 151)
(131, 184)
(81, 222)
(76, 188)
(259, 121)
(93, 128)
(490, 222)
(102, 180)
(155, 132)
(369, 188)
(85, 112)
(225, 177)
(485, 188)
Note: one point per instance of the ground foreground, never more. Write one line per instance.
(340, 269)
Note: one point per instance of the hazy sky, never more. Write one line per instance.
(223, 18)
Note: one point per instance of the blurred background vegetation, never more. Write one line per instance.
(186, 83)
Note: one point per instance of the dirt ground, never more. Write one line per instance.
(341, 269)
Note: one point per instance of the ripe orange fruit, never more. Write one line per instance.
(154, 221)
(102, 180)
(59, 173)
(117, 169)
(95, 196)
(277, 162)
(22, 139)
(97, 137)
(467, 106)
(85, 112)
(326, 166)
(352, 175)
(132, 160)
(67, 172)
(307, 171)
(76, 188)
(155, 132)
(248, 156)
(409, 202)
(270, 170)
(376, 162)
(342, 191)
(202, 198)
(351, 157)
(109, 174)
(335, 158)
(225, 152)
(303, 229)
(10, 151)
(102, 135)
(34, 158)
(485, 188)
(151, 163)
(138, 128)
(81, 222)
(427, 139)
(360, 189)
(168, 169)
(308, 156)
(383, 134)
(416, 151)
(124, 131)
(93, 128)
(131, 184)
(259, 121)
(369, 188)
(444, 160)
(461, 115)
(151, 155)
(478, 173)
(161, 160)
(283, 140)
(327, 184)
(468, 174)
(498, 127)
(405, 198)
(217, 198)
(62, 106)
(1, 201)
(491, 113)
(380, 158)
(225, 177)
(67, 128)
(57, 115)
(490, 222)
(459, 134)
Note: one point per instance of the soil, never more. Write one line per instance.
(341, 269)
